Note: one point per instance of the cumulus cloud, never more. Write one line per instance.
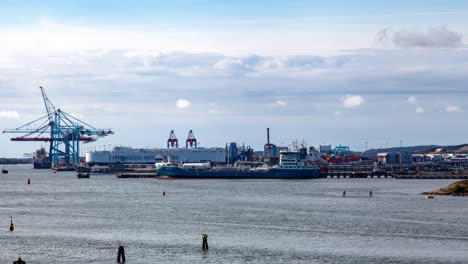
(280, 103)
(9, 114)
(419, 110)
(412, 100)
(413, 38)
(232, 66)
(183, 104)
(452, 108)
(352, 101)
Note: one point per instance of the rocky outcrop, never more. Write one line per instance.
(459, 188)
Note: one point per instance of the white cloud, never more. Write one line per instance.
(183, 104)
(412, 100)
(49, 23)
(419, 110)
(413, 38)
(280, 103)
(48, 34)
(452, 108)
(9, 114)
(78, 115)
(352, 101)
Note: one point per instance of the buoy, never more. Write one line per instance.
(205, 241)
(121, 255)
(370, 194)
(164, 193)
(12, 227)
(344, 193)
(29, 181)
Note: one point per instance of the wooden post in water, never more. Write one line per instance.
(19, 261)
(205, 241)
(121, 255)
(12, 227)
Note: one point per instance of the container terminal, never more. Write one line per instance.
(65, 135)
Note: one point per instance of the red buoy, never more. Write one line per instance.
(29, 181)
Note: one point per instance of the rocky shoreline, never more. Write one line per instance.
(459, 188)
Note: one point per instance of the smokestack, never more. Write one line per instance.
(268, 136)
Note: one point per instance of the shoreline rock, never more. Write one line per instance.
(459, 188)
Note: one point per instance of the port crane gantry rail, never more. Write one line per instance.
(62, 130)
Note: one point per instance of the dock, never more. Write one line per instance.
(433, 176)
(136, 175)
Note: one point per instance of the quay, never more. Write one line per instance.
(389, 171)
(433, 176)
(417, 177)
(136, 175)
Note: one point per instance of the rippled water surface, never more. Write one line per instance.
(61, 219)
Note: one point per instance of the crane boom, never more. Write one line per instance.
(48, 104)
(64, 132)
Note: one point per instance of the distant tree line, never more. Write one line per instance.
(15, 161)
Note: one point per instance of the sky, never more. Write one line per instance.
(320, 72)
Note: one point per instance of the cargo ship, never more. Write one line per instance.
(126, 155)
(41, 160)
(292, 165)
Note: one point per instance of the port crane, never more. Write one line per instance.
(191, 140)
(172, 142)
(62, 130)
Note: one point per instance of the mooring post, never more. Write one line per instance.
(205, 241)
(121, 255)
(19, 261)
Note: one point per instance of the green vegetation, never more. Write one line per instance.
(15, 161)
(459, 189)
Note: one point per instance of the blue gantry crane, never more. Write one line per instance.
(63, 131)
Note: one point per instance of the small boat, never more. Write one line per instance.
(64, 168)
(429, 197)
(82, 175)
(4, 171)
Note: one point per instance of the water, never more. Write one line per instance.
(62, 219)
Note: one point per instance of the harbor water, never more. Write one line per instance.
(59, 218)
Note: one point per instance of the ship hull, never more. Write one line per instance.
(42, 165)
(274, 173)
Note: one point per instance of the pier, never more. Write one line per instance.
(136, 175)
(396, 172)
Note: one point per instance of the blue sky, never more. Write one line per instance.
(327, 72)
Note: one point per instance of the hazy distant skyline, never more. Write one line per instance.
(334, 72)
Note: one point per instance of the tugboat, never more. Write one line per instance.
(83, 175)
(292, 165)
